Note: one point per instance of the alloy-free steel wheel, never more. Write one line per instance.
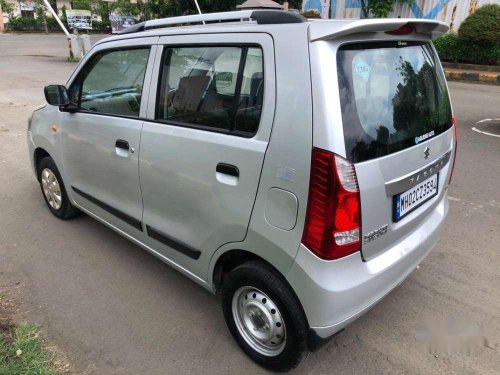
(264, 316)
(259, 321)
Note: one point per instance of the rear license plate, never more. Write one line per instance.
(408, 201)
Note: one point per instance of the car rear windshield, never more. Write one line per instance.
(392, 97)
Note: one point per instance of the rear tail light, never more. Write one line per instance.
(333, 219)
(455, 136)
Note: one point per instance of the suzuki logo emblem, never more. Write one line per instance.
(427, 152)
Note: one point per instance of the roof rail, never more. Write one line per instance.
(262, 17)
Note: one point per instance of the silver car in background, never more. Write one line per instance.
(298, 169)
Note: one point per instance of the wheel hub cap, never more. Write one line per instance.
(51, 189)
(259, 321)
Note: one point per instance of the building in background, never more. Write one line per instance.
(25, 8)
(452, 12)
(260, 4)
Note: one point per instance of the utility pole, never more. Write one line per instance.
(198, 7)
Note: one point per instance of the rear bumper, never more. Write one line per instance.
(335, 293)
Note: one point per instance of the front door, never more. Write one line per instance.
(101, 137)
(202, 152)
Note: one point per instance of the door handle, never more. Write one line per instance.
(228, 169)
(120, 143)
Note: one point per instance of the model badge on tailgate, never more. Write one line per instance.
(374, 234)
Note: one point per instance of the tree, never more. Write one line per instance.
(40, 11)
(381, 8)
(482, 26)
(81, 4)
(170, 8)
(64, 17)
(125, 7)
(7, 8)
(312, 13)
(101, 8)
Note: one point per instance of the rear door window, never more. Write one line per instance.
(218, 88)
(392, 96)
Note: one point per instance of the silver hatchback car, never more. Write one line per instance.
(297, 168)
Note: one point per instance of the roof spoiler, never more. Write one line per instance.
(325, 30)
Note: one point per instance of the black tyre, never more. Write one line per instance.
(53, 190)
(264, 316)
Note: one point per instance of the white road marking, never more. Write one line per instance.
(483, 132)
(453, 199)
(480, 131)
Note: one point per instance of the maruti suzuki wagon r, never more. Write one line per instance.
(297, 168)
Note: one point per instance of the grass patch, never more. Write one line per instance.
(22, 352)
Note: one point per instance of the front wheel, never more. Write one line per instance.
(264, 316)
(53, 190)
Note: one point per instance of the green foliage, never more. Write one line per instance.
(125, 7)
(101, 26)
(381, 8)
(64, 17)
(453, 48)
(311, 14)
(23, 353)
(81, 4)
(482, 26)
(31, 24)
(23, 24)
(169, 8)
(39, 8)
(7, 8)
(101, 8)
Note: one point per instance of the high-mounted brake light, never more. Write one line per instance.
(455, 137)
(403, 30)
(333, 219)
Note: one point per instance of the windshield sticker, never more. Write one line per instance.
(423, 137)
(361, 69)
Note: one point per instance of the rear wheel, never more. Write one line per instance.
(264, 316)
(53, 190)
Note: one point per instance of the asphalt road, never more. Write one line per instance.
(115, 309)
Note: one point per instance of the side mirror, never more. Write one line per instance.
(56, 95)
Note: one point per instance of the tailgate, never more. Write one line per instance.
(397, 121)
(381, 180)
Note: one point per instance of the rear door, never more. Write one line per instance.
(396, 117)
(203, 147)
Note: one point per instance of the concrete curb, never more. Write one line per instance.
(492, 78)
(473, 67)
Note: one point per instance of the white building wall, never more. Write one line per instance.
(452, 12)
